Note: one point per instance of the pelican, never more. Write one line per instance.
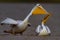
(43, 29)
(18, 26)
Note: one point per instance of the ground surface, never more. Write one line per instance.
(19, 11)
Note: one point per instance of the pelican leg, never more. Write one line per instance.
(37, 34)
(11, 30)
(21, 33)
(49, 34)
(8, 31)
(2, 23)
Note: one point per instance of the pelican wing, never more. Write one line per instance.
(48, 30)
(9, 21)
(38, 28)
(19, 21)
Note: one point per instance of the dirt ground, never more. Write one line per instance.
(19, 11)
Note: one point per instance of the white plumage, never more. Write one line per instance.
(9, 21)
(43, 31)
(21, 25)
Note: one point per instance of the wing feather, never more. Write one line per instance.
(9, 21)
(38, 28)
(48, 29)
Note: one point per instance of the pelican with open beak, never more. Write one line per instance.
(18, 26)
(43, 29)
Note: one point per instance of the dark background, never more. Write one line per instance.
(44, 1)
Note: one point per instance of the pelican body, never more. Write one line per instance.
(18, 26)
(43, 30)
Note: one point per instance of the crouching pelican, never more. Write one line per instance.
(18, 26)
(43, 29)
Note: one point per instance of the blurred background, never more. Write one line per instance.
(44, 1)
